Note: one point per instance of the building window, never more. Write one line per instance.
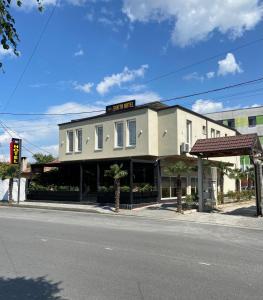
(169, 187)
(251, 121)
(204, 130)
(213, 133)
(78, 140)
(189, 132)
(119, 134)
(218, 133)
(231, 123)
(70, 141)
(99, 137)
(131, 124)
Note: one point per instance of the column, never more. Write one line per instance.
(131, 183)
(80, 182)
(200, 184)
(98, 176)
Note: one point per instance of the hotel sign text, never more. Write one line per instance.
(120, 106)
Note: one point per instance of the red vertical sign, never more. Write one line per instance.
(15, 151)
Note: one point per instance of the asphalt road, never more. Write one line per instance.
(68, 255)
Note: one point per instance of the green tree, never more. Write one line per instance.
(223, 170)
(116, 172)
(8, 33)
(43, 158)
(178, 169)
(238, 175)
(9, 171)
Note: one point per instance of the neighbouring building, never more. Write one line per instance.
(245, 120)
(145, 139)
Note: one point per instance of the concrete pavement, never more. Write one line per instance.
(228, 215)
(48, 254)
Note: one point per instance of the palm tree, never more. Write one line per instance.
(223, 170)
(178, 169)
(238, 175)
(9, 171)
(116, 172)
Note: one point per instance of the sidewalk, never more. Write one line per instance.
(223, 217)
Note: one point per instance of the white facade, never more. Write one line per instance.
(143, 131)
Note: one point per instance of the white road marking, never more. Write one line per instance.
(43, 240)
(110, 249)
(204, 263)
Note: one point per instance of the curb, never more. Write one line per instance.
(112, 214)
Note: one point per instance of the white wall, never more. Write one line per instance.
(4, 184)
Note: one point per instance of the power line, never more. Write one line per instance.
(41, 149)
(7, 131)
(31, 56)
(203, 61)
(214, 90)
(244, 83)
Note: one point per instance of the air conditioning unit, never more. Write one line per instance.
(184, 148)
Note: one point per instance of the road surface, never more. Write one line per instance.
(79, 256)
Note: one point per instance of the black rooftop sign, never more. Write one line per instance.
(120, 106)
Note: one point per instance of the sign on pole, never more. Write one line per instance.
(15, 158)
(15, 151)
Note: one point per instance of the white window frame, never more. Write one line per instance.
(204, 129)
(218, 133)
(128, 133)
(68, 148)
(78, 146)
(189, 132)
(213, 133)
(170, 187)
(97, 137)
(116, 134)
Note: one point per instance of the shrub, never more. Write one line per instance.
(125, 188)
(146, 188)
(220, 198)
(231, 195)
(103, 189)
(189, 199)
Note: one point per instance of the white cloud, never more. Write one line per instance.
(207, 106)
(80, 52)
(228, 66)
(43, 131)
(194, 76)
(141, 98)
(118, 79)
(6, 53)
(210, 75)
(86, 87)
(196, 20)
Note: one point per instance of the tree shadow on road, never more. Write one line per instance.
(22, 288)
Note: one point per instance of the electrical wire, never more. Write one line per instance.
(237, 85)
(31, 56)
(202, 61)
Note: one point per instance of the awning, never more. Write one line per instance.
(246, 144)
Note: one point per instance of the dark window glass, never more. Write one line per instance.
(251, 121)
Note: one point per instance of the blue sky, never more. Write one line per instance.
(95, 52)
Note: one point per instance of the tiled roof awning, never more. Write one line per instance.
(246, 144)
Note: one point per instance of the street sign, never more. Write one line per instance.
(15, 151)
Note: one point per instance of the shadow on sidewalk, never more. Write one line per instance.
(164, 206)
(242, 211)
(23, 288)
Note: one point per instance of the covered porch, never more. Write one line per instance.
(85, 181)
(247, 144)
